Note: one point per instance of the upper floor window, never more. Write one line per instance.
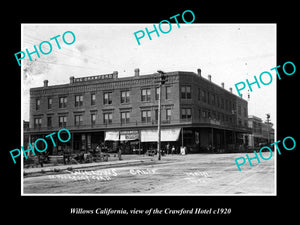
(186, 92)
(125, 96)
(93, 99)
(62, 102)
(93, 119)
(168, 92)
(168, 114)
(37, 104)
(107, 118)
(239, 110)
(78, 120)
(125, 117)
(49, 121)
(78, 100)
(186, 113)
(49, 103)
(146, 116)
(37, 122)
(62, 121)
(107, 98)
(146, 95)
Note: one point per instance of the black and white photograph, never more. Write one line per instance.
(137, 112)
(161, 116)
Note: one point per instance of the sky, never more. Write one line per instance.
(230, 53)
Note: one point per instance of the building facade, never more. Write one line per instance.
(196, 113)
(261, 134)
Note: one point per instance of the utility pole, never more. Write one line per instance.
(268, 122)
(162, 79)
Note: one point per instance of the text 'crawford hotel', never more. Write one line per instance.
(196, 113)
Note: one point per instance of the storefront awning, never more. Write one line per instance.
(121, 135)
(166, 135)
(111, 136)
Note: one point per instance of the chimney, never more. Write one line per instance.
(199, 72)
(136, 72)
(230, 89)
(222, 84)
(72, 80)
(115, 74)
(45, 83)
(241, 95)
(209, 77)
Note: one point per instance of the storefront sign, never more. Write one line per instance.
(129, 135)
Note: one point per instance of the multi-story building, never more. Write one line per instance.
(261, 133)
(196, 113)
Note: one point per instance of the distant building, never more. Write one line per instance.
(260, 132)
(195, 112)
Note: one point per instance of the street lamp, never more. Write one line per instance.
(162, 80)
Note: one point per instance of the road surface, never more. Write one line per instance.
(195, 174)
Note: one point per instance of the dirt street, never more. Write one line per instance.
(197, 174)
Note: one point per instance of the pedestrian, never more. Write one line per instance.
(168, 148)
(120, 154)
(173, 150)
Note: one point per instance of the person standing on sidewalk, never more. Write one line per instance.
(120, 153)
(173, 150)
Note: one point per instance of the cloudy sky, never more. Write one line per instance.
(231, 53)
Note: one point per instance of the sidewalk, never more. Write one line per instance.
(99, 165)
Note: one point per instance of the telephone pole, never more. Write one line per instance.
(268, 129)
(162, 80)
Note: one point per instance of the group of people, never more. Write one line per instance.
(170, 150)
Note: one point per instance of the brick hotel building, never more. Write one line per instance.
(195, 112)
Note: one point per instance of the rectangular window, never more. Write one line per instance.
(204, 113)
(125, 117)
(146, 95)
(203, 95)
(49, 103)
(213, 99)
(186, 92)
(168, 92)
(49, 122)
(93, 119)
(186, 113)
(107, 98)
(37, 122)
(125, 96)
(78, 120)
(168, 114)
(37, 104)
(245, 111)
(208, 98)
(62, 102)
(93, 99)
(239, 110)
(146, 116)
(62, 121)
(78, 100)
(107, 118)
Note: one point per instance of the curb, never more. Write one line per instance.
(45, 170)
